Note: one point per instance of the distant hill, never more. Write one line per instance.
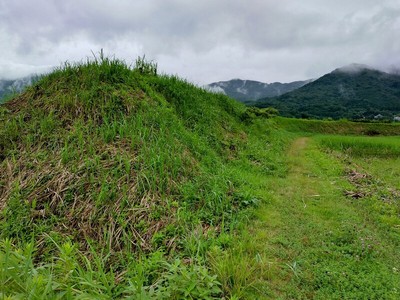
(354, 92)
(249, 90)
(8, 87)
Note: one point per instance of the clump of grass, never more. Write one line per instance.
(72, 275)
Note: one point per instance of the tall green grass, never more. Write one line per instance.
(72, 275)
(372, 165)
(119, 181)
(341, 127)
(362, 146)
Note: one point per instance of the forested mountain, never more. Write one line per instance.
(353, 92)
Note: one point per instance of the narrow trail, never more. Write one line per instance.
(298, 145)
(312, 243)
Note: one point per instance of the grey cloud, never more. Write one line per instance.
(264, 40)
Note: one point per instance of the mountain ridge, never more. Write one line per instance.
(248, 91)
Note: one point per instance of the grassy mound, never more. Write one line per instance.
(114, 182)
(92, 142)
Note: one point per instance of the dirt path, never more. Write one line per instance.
(298, 145)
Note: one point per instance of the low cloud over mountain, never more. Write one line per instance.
(250, 90)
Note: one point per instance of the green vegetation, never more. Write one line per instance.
(252, 112)
(116, 182)
(119, 182)
(372, 166)
(360, 95)
(363, 146)
(330, 227)
(341, 127)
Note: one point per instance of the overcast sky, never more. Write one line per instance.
(203, 40)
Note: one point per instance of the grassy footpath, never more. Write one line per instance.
(311, 241)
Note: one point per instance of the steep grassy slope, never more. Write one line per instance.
(115, 182)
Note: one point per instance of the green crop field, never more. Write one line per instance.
(363, 146)
(117, 182)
